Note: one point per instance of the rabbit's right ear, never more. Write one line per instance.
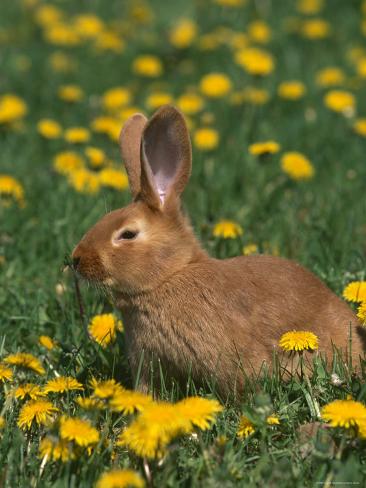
(130, 143)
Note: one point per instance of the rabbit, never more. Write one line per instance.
(213, 320)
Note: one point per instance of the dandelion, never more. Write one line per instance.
(206, 138)
(297, 340)
(246, 427)
(266, 147)
(67, 162)
(201, 412)
(62, 384)
(190, 103)
(103, 328)
(250, 249)
(106, 389)
(259, 32)
(6, 374)
(344, 413)
(315, 29)
(231, 3)
(113, 178)
(96, 156)
(255, 96)
(84, 181)
(2, 422)
(47, 342)
(291, 90)
(41, 412)
(70, 93)
(297, 166)
(78, 430)
(25, 360)
(355, 291)
(361, 312)
(128, 402)
(120, 478)
(116, 98)
(215, 85)
(340, 101)
(61, 34)
(29, 391)
(88, 26)
(149, 66)
(183, 34)
(55, 449)
(273, 420)
(12, 108)
(359, 127)
(109, 41)
(49, 129)
(331, 76)
(255, 61)
(11, 189)
(77, 135)
(227, 229)
(88, 403)
(156, 99)
(309, 7)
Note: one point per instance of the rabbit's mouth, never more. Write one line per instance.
(89, 267)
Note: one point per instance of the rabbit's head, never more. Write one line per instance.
(135, 248)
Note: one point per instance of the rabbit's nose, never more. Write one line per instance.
(75, 261)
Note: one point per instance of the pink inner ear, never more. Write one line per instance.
(161, 150)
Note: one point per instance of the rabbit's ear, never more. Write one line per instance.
(130, 142)
(166, 156)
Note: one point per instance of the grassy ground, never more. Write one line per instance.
(319, 222)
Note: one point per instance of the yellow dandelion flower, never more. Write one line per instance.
(106, 389)
(156, 99)
(259, 31)
(227, 229)
(88, 25)
(70, 93)
(201, 412)
(49, 129)
(183, 34)
(215, 85)
(344, 413)
(309, 7)
(250, 249)
(28, 391)
(25, 360)
(103, 328)
(120, 478)
(105, 125)
(61, 34)
(77, 135)
(297, 166)
(330, 76)
(109, 41)
(359, 127)
(41, 412)
(67, 162)
(246, 428)
(297, 340)
(128, 402)
(6, 374)
(291, 90)
(2, 422)
(273, 420)
(10, 190)
(266, 147)
(62, 384)
(84, 181)
(206, 138)
(355, 291)
(78, 430)
(12, 108)
(340, 101)
(361, 314)
(88, 403)
(54, 449)
(147, 65)
(116, 98)
(47, 342)
(149, 435)
(315, 29)
(48, 14)
(113, 178)
(255, 61)
(96, 157)
(190, 103)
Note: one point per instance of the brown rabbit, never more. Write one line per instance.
(198, 315)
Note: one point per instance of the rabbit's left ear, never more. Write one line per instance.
(166, 156)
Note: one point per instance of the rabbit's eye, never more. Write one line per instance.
(127, 234)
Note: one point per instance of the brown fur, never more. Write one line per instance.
(214, 318)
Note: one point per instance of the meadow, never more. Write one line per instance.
(274, 96)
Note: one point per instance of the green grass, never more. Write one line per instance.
(320, 223)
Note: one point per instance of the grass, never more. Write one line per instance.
(320, 223)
